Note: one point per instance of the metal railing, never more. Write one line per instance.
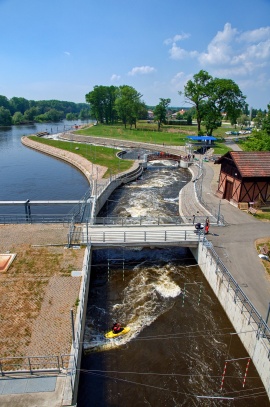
(219, 218)
(150, 221)
(34, 364)
(81, 310)
(140, 237)
(29, 219)
(239, 296)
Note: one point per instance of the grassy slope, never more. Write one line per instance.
(147, 133)
(96, 154)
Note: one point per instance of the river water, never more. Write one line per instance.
(29, 174)
(179, 338)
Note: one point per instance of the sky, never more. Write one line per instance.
(61, 49)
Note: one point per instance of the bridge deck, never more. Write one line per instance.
(168, 235)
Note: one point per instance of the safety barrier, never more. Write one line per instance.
(33, 364)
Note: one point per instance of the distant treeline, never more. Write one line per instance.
(18, 110)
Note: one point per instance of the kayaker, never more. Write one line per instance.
(116, 328)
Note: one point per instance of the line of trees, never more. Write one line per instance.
(260, 140)
(108, 104)
(19, 110)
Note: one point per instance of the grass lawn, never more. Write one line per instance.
(144, 133)
(96, 154)
(263, 214)
(147, 133)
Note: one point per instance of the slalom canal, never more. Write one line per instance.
(180, 337)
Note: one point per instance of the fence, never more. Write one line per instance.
(30, 219)
(254, 316)
(219, 218)
(75, 360)
(34, 364)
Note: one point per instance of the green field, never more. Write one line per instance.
(147, 133)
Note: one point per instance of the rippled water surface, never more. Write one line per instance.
(29, 174)
(175, 352)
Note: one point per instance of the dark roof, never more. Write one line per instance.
(250, 164)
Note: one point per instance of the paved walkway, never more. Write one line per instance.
(234, 242)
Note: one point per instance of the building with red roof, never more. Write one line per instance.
(244, 176)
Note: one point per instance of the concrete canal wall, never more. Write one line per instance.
(246, 321)
(102, 194)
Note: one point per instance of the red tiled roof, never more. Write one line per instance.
(252, 164)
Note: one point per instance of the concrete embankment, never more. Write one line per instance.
(248, 324)
(86, 167)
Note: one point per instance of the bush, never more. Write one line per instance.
(177, 122)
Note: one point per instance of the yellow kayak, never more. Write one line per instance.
(111, 334)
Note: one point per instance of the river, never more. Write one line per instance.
(29, 174)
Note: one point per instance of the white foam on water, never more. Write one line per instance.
(168, 289)
(147, 296)
(171, 199)
(165, 163)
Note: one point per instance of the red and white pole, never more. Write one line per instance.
(244, 381)
(223, 375)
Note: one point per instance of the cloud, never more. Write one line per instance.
(177, 52)
(180, 53)
(260, 34)
(177, 37)
(237, 54)
(141, 70)
(67, 53)
(219, 51)
(115, 78)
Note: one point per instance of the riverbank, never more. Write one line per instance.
(89, 169)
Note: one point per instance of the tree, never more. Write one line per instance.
(258, 119)
(266, 121)
(102, 103)
(19, 105)
(128, 105)
(212, 116)
(84, 114)
(4, 102)
(5, 117)
(52, 115)
(17, 118)
(242, 120)
(211, 96)
(160, 111)
(196, 91)
(71, 116)
(30, 114)
(258, 142)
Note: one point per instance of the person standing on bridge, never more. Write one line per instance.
(206, 227)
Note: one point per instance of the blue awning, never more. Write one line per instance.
(202, 138)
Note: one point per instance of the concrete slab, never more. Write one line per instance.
(38, 391)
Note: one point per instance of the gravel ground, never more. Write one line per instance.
(36, 295)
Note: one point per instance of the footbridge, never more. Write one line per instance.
(139, 236)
